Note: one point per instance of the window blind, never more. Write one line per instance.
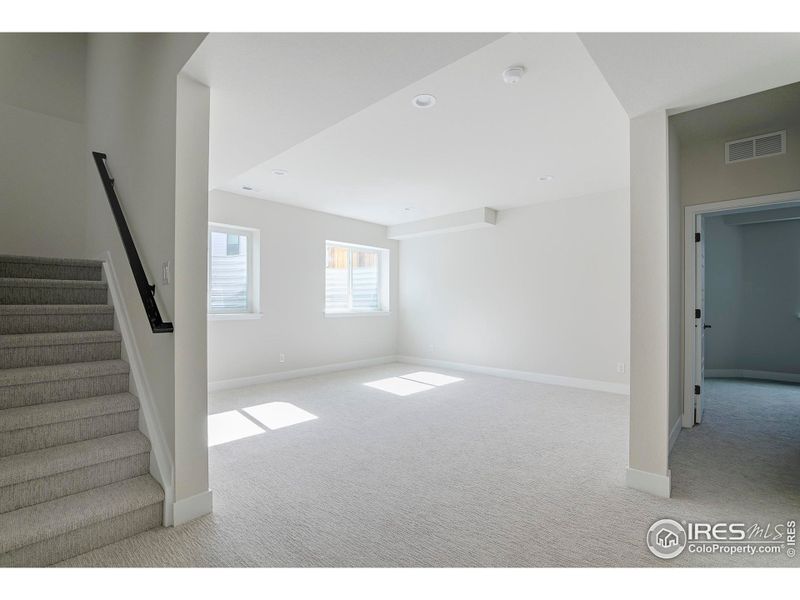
(228, 272)
(352, 279)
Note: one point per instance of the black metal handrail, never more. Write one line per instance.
(146, 291)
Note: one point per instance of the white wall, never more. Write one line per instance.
(545, 291)
(293, 294)
(189, 280)
(131, 113)
(650, 304)
(42, 144)
(753, 296)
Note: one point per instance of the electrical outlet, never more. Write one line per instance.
(165, 272)
(281, 357)
(620, 367)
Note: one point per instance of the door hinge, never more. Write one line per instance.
(697, 390)
(696, 237)
(697, 313)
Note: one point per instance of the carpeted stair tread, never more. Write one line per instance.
(38, 415)
(14, 310)
(46, 290)
(50, 268)
(46, 260)
(26, 375)
(33, 524)
(68, 457)
(74, 467)
(26, 340)
(19, 319)
(18, 282)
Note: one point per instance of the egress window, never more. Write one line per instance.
(232, 270)
(356, 279)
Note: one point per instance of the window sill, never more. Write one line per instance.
(234, 316)
(366, 313)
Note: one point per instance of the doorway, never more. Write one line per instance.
(746, 211)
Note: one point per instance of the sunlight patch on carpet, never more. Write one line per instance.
(230, 426)
(276, 415)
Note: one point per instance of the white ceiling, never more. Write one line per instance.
(335, 111)
(485, 143)
(270, 91)
(682, 71)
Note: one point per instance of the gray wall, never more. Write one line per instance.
(675, 281)
(42, 144)
(706, 178)
(753, 296)
(723, 293)
(698, 170)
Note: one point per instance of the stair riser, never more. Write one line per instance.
(45, 271)
(37, 356)
(55, 434)
(52, 295)
(49, 488)
(55, 323)
(85, 539)
(29, 394)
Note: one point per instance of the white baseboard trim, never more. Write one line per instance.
(161, 464)
(229, 384)
(675, 432)
(652, 483)
(192, 507)
(585, 384)
(753, 374)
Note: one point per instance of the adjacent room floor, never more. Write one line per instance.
(481, 471)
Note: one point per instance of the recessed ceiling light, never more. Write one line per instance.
(407, 209)
(247, 188)
(513, 74)
(546, 178)
(280, 172)
(424, 101)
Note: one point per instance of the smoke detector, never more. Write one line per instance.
(513, 74)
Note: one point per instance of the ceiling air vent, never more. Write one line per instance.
(760, 146)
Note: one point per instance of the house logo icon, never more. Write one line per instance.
(666, 538)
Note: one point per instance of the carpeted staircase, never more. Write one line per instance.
(74, 468)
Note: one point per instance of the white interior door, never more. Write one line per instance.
(699, 323)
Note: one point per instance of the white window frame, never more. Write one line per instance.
(384, 276)
(253, 273)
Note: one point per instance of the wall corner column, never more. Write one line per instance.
(648, 468)
(192, 495)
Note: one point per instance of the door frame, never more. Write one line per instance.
(689, 278)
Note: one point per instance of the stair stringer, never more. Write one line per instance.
(162, 463)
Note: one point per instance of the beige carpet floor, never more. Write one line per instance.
(480, 472)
